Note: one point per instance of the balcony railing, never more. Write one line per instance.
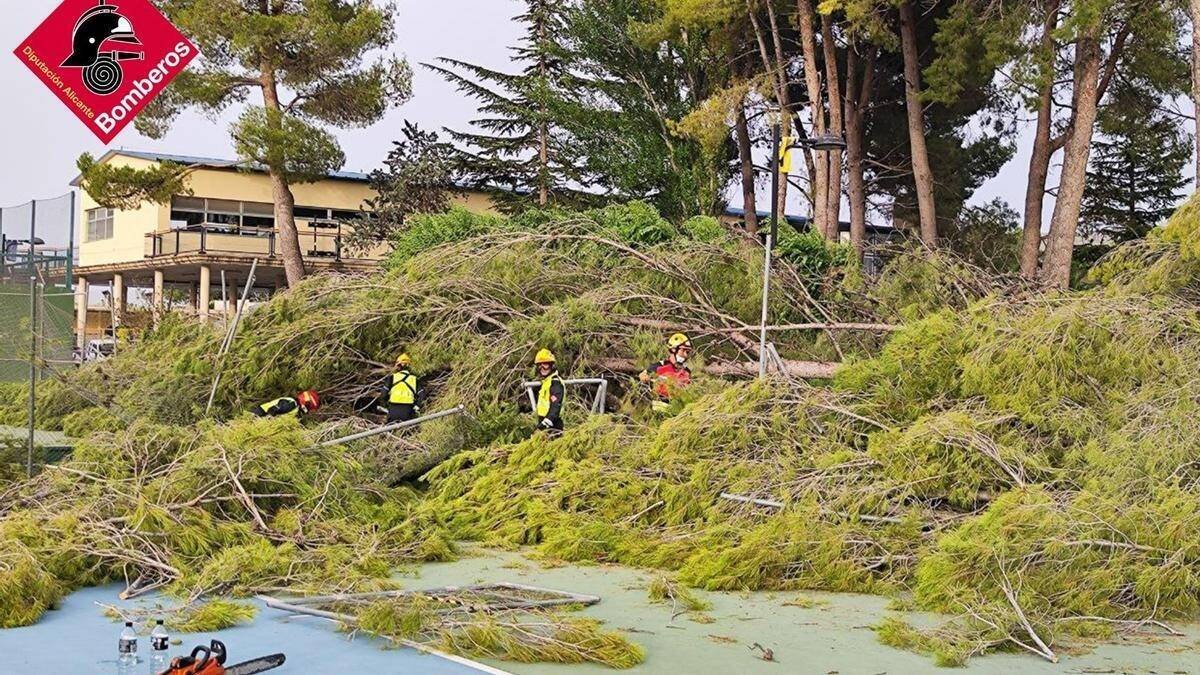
(217, 240)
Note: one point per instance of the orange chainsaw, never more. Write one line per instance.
(210, 660)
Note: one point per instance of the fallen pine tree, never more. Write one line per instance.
(1024, 462)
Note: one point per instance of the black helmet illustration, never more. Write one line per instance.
(96, 43)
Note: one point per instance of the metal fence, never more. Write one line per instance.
(37, 239)
(37, 326)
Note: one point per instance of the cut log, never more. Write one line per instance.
(806, 369)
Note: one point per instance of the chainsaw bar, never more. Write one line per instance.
(256, 665)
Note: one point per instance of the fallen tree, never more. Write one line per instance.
(1024, 462)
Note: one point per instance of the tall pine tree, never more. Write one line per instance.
(1135, 176)
(516, 147)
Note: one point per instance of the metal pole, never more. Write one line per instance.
(224, 303)
(32, 370)
(229, 335)
(32, 236)
(70, 279)
(392, 427)
(766, 290)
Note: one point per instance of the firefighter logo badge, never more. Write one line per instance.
(106, 59)
(101, 40)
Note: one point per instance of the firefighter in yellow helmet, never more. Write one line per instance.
(551, 393)
(670, 373)
(404, 392)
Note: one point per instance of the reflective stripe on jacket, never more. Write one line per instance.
(550, 396)
(404, 388)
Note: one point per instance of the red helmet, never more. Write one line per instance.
(309, 400)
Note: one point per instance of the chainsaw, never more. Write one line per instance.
(211, 661)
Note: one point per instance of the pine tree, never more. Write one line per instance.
(516, 146)
(314, 65)
(1135, 177)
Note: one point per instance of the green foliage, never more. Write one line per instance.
(213, 615)
(301, 151)
(987, 236)
(1135, 172)
(27, 589)
(813, 256)
(127, 187)
(529, 636)
(705, 229)
(416, 178)
(634, 223)
(1024, 461)
(426, 231)
(663, 589)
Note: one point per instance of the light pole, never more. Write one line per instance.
(820, 143)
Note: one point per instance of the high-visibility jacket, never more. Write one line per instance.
(550, 397)
(284, 405)
(404, 388)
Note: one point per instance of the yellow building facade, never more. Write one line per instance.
(219, 229)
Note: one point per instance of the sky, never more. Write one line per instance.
(42, 139)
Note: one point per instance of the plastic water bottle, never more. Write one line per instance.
(127, 650)
(160, 657)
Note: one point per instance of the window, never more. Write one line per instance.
(99, 224)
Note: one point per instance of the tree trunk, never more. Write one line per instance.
(1057, 269)
(922, 175)
(785, 104)
(812, 81)
(804, 369)
(856, 100)
(1194, 10)
(543, 131)
(1039, 160)
(833, 89)
(285, 201)
(746, 160)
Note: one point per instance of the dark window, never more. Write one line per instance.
(262, 222)
(308, 212)
(188, 217)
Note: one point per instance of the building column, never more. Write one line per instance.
(118, 299)
(81, 307)
(157, 301)
(205, 298)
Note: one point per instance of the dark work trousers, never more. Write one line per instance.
(401, 412)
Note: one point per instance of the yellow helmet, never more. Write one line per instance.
(544, 356)
(404, 359)
(678, 340)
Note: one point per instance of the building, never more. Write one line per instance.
(219, 230)
(210, 238)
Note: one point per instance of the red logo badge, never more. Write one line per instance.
(106, 59)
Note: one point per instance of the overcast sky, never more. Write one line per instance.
(41, 138)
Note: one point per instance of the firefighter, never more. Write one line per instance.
(404, 392)
(301, 404)
(670, 373)
(550, 394)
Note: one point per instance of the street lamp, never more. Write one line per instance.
(824, 142)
